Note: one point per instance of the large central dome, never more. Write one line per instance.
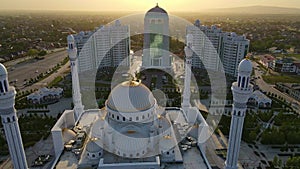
(130, 97)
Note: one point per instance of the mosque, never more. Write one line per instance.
(131, 131)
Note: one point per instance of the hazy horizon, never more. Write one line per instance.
(139, 5)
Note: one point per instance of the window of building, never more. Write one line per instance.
(1, 87)
(243, 82)
(5, 85)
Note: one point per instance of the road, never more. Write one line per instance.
(32, 68)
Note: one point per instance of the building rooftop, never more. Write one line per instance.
(189, 159)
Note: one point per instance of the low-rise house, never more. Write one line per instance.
(267, 61)
(285, 65)
(45, 95)
(293, 89)
(259, 100)
(297, 64)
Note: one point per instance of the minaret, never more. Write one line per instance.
(72, 51)
(187, 79)
(10, 121)
(241, 93)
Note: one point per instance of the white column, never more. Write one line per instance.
(78, 107)
(236, 130)
(10, 122)
(187, 79)
(241, 93)
(72, 51)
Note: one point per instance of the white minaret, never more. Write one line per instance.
(10, 121)
(241, 93)
(72, 51)
(187, 79)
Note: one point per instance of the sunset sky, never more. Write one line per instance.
(138, 5)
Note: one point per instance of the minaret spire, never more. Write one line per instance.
(187, 79)
(10, 121)
(72, 51)
(242, 90)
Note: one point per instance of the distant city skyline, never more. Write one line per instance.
(138, 5)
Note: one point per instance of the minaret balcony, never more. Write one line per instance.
(235, 87)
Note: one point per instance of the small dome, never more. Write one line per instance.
(197, 23)
(158, 10)
(117, 23)
(92, 146)
(245, 66)
(70, 38)
(68, 134)
(3, 71)
(130, 97)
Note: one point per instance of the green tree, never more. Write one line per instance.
(32, 52)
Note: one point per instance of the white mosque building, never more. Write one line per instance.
(131, 131)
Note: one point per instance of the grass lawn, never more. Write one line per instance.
(272, 79)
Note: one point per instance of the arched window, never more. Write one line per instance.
(239, 81)
(123, 118)
(13, 118)
(93, 155)
(70, 46)
(247, 82)
(137, 118)
(8, 119)
(243, 82)
(1, 88)
(5, 86)
(113, 116)
(118, 118)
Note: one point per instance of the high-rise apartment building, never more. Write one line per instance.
(214, 48)
(107, 46)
